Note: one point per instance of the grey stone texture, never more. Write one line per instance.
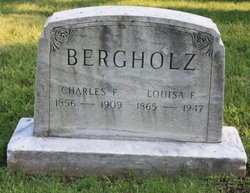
(130, 73)
(76, 157)
(128, 88)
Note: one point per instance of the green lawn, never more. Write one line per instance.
(21, 23)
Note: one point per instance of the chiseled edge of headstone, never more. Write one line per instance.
(183, 20)
(216, 99)
(41, 107)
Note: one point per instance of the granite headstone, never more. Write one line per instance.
(117, 76)
(142, 86)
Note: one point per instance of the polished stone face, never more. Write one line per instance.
(130, 73)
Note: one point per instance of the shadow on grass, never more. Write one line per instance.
(217, 15)
(17, 77)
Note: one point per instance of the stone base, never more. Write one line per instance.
(76, 157)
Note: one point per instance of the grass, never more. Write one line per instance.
(22, 23)
(20, 182)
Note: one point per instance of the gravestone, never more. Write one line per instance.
(122, 77)
(121, 88)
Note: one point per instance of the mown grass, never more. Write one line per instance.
(21, 24)
(19, 182)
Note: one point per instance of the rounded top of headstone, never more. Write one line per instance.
(146, 14)
(136, 73)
